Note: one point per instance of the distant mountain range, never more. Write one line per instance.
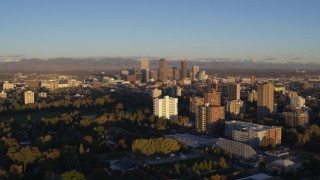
(117, 63)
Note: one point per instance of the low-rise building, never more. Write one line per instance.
(252, 134)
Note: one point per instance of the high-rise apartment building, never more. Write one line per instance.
(213, 98)
(183, 69)
(297, 102)
(234, 92)
(252, 96)
(207, 117)
(163, 70)
(166, 107)
(296, 118)
(234, 107)
(28, 97)
(265, 101)
(194, 103)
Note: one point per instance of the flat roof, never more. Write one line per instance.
(251, 126)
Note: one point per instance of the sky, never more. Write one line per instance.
(268, 30)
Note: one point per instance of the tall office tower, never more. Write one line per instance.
(265, 101)
(145, 75)
(163, 70)
(234, 92)
(145, 69)
(252, 96)
(195, 71)
(213, 98)
(183, 69)
(194, 103)
(154, 75)
(176, 73)
(144, 63)
(166, 107)
(28, 97)
(207, 117)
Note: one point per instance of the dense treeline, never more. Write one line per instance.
(155, 146)
(308, 139)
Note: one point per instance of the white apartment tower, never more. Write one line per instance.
(166, 107)
(28, 97)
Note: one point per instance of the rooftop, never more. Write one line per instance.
(251, 126)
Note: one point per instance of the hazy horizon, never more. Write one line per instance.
(271, 31)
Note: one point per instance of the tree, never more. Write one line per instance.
(119, 107)
(26, 155)
(177, 167)
(81, 149)
(215, 177)
(15, 172)
(73, 175)
(222, 163)
(122, 143)
(98, 174)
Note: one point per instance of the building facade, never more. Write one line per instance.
(296, 118)
(252, 134)
(213, 98)
(184, 72)
(28, 97)
(165, 107)
(163, 70)
(207, 117)
(265, 101)
(234, 92)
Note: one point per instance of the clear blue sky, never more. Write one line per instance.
(274, 30)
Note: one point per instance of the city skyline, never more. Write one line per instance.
(271, 31)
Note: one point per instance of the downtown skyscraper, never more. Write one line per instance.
(163, 70)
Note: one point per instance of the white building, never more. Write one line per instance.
(297, 101)
(6, 85)
(166, 107)
(28, 97)
(3, 94)
(203, 76)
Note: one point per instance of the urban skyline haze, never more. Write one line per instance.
(273, 31)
